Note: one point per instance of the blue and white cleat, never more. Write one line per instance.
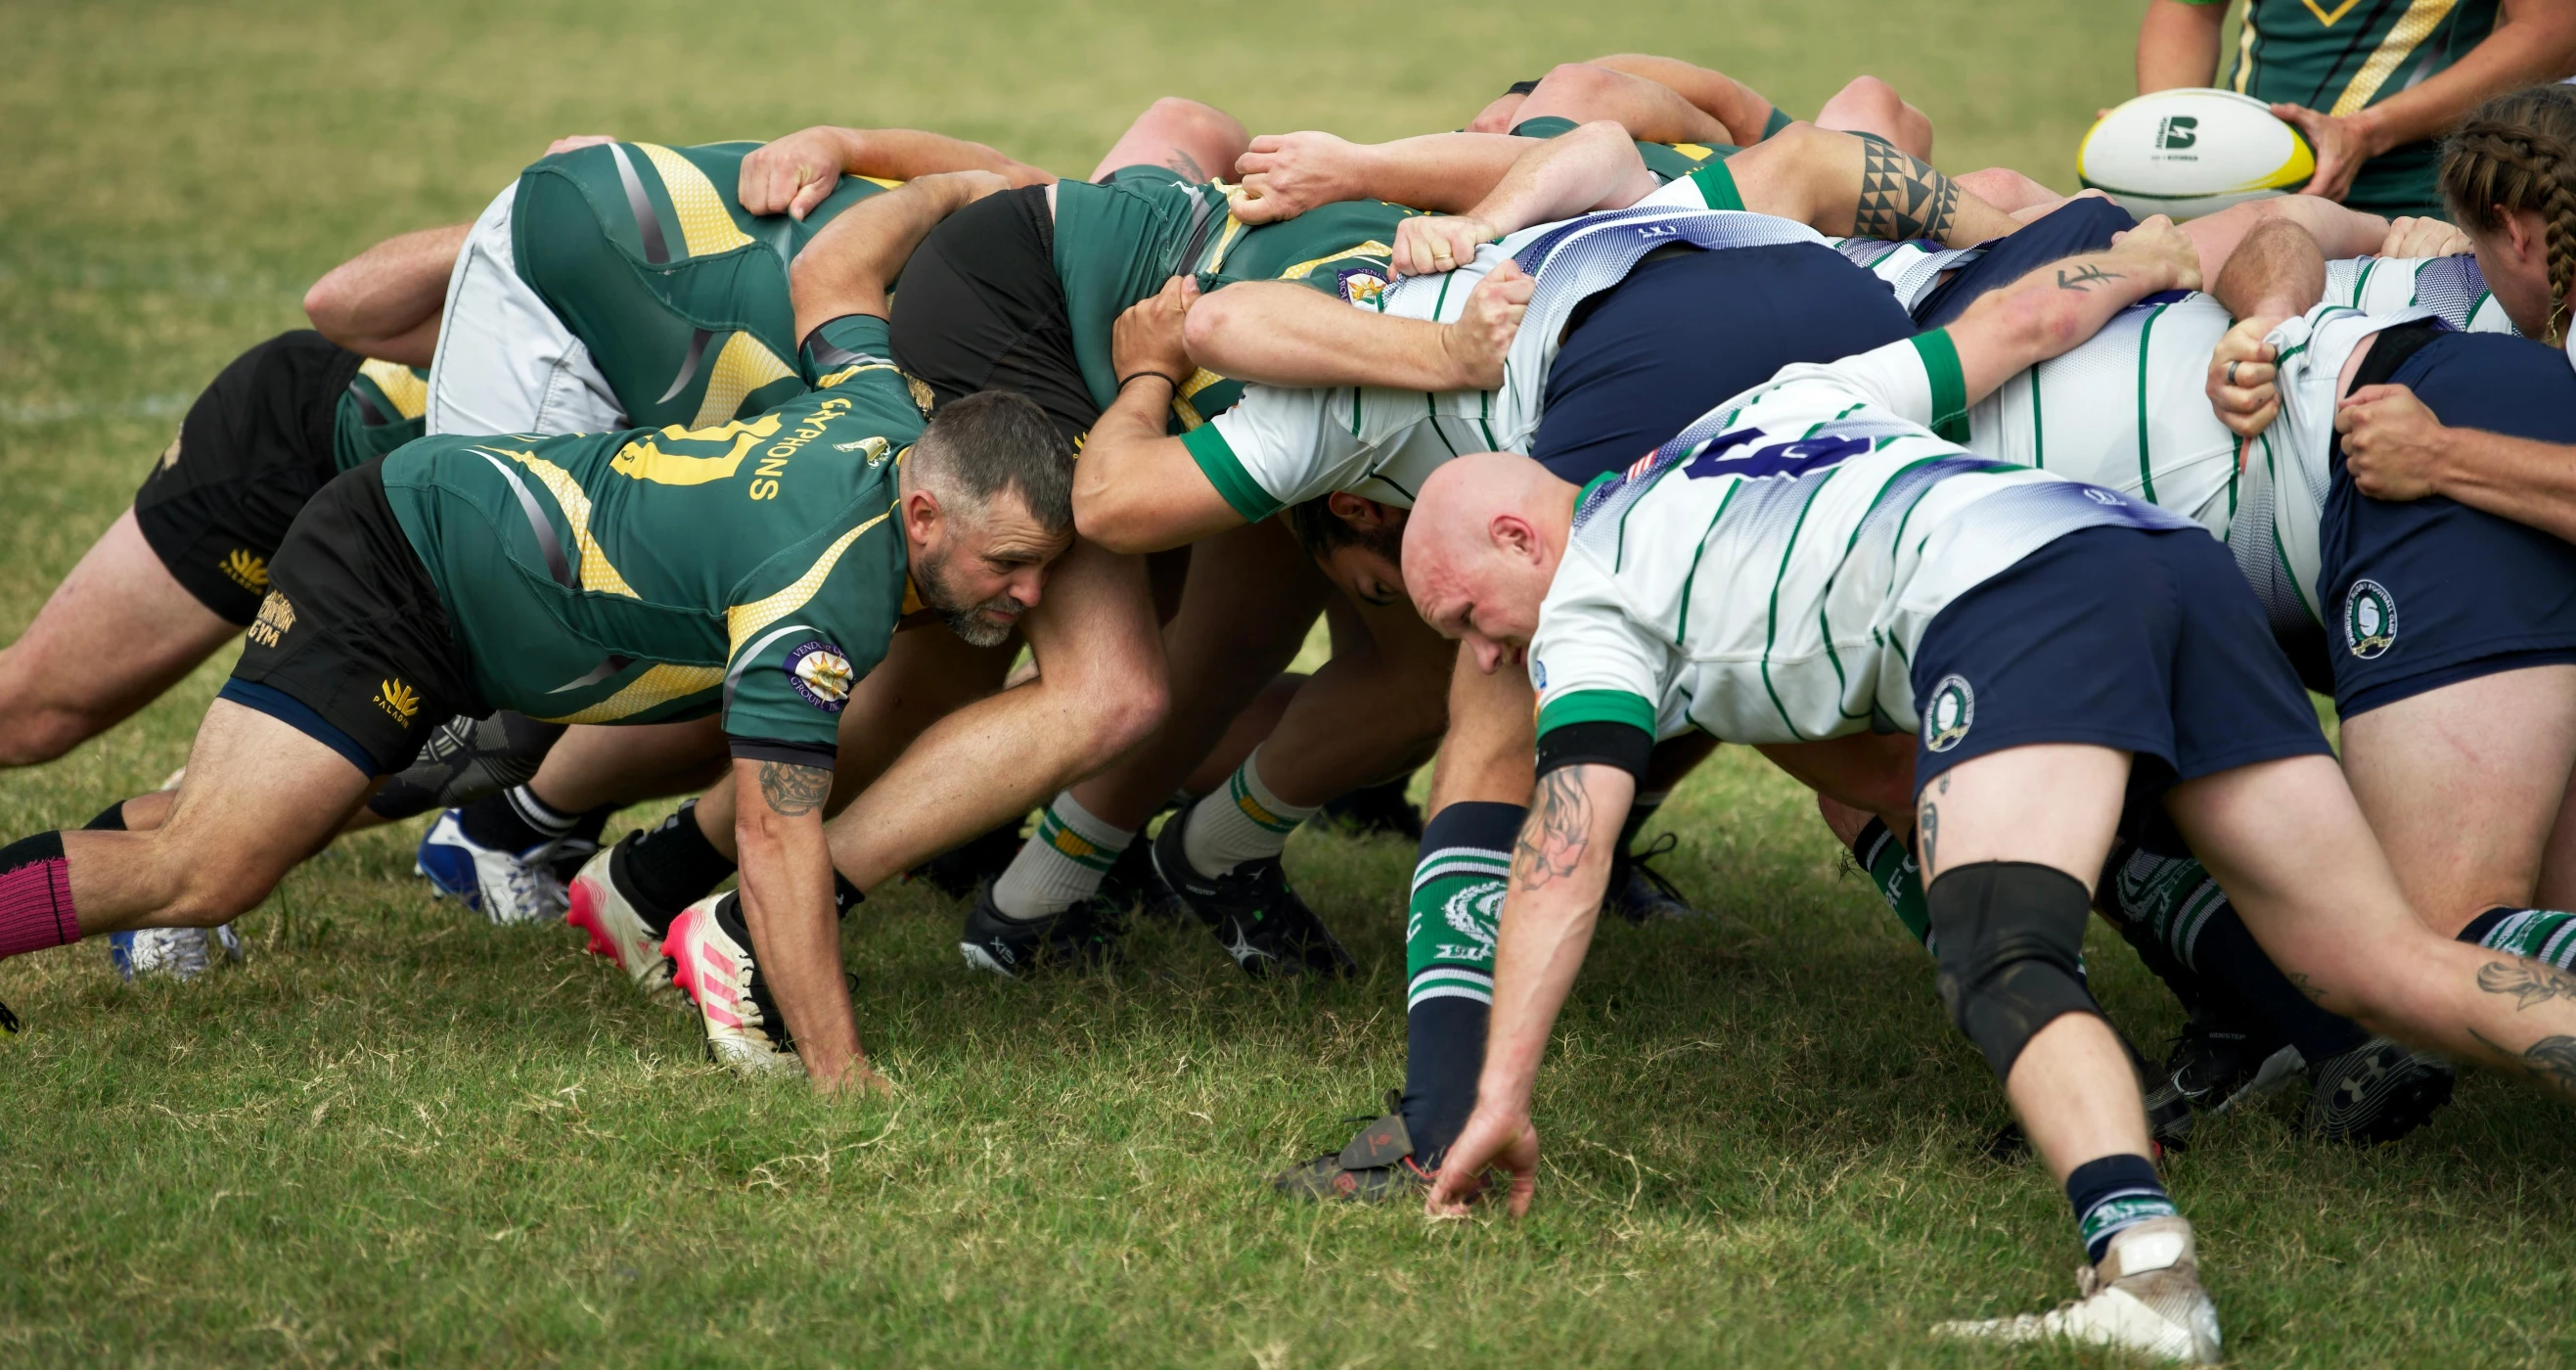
(170, 953)
(503, 886)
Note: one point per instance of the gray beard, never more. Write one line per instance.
(966, 622)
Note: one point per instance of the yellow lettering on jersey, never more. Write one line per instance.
(773, 463)
(1701, 152)
(645, 461)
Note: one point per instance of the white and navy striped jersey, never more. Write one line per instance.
(2281, 493)
(1768, 574)
(2451, 287)
(2125, 410)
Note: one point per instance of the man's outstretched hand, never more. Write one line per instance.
(1481, 338)
(1494, 1139)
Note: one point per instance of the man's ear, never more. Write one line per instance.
(1367, 515)
(1514, 537)
(921, 515)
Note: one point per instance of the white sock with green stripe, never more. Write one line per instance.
(1244, 823)
(2541, 934)
(1061, 863)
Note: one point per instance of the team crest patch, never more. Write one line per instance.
(1474, 913)
(821, 674)
(2369, 619)
(1361, 284)
(276, 616)
(1949, 715)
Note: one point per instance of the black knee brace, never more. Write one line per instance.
(2010, 935)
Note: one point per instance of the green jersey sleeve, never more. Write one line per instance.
(381, 410)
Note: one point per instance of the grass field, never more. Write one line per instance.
(400, 1135)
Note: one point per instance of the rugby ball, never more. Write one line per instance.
(2191, 152)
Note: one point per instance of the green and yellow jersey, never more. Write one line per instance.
(2343, 56)
(1669, 161)
(380, 411)
(647, 256)
(749, 567)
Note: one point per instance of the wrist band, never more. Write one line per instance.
(1139, 375)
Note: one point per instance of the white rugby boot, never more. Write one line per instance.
(599, 906)
(504, 886)
(711, 962)
(2145, 1296)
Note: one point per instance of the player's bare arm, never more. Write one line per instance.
(2276, 273)
(2049, 311)
(1136, 489)
(787, 904)
(848, 266)
(1282, 333)
(793, 174)
(385, 301)
(1559, 868)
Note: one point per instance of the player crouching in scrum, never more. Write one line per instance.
(757, 570)
(2066, 649)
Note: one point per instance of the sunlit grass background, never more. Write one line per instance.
(399, 1135)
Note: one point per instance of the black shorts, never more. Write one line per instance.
(2149, 642)
(252, 450)
(1686, 329)
(351, 646)
(981, 308)
(2426, 593)
(2081, 225)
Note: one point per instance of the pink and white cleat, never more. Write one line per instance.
(711, 962)
(599, 905)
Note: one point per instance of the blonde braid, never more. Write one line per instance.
(2517, 152)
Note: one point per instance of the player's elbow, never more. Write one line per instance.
(1213, 317)
(1106, 521)
(332, 305)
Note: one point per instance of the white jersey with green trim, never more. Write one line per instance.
(2281, 493)
(1767, 575)
(1279, 446)
(2451, 287)
(2125, 410)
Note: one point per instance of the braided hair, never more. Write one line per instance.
(2518, 152)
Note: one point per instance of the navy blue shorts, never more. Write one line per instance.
(2084, 225)
(1689, 328)
(2427, 593)
(2149, 642)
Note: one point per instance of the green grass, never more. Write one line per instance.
(399, 1135)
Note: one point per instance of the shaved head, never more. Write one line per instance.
(1482, 545)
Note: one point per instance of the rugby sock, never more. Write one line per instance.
(36, 896)
(112, 819)
(668, 868)
(514, 820)
(2112, 1193)
(1899, 878)
(1247, 823)
(590, 826)
(1450, 927)
(2541, 934)
(1062, 862)
(2186, 912)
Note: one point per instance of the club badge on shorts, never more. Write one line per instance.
(1949, 714)
(2369, 619)
(821, 674)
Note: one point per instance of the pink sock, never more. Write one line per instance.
(36, 896)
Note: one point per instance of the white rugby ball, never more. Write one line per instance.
(2191, 152)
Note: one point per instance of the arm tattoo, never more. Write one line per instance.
(2085, 277)
(794, 791)
(2551, 1059)
(2529, 982)
(1901, 197)
(1558, 832)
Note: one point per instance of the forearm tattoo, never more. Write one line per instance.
(1559, 830)
(2084, 277)
(2552, 1059)
(2529, 982)
(1901, 197)
(794, 791)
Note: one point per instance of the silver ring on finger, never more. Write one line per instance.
(2231, 372)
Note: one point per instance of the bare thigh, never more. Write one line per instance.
(114, 635)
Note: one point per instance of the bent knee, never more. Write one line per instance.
(1176, 115)
(32, 734)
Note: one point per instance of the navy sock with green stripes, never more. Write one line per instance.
(2183, 908)
(2115, 1192)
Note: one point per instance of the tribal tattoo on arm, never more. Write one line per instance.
(1558, 832)
(794, 791)
(1901, 196)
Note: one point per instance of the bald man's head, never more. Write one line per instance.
(1483, 543)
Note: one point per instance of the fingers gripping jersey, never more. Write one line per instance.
(1767, 575)
(2281, 493)
(657, 574)
(647, 256)
(2125, 410)
(2451, 287)
(1280, 445)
